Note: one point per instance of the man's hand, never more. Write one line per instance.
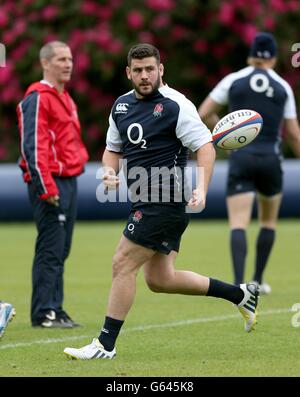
(53, 200)
(197, 201)
(110, 179)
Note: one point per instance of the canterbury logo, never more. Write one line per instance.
(122, 108)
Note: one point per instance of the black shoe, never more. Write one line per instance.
(52, 321)
(66, 318)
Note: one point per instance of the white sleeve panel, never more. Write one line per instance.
(113, 139)
(220, 93)
(190, 129)
(290, 104)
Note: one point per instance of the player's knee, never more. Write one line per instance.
(118, 264)
(154, 285)
(122, 265)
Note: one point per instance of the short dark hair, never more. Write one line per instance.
(144, 50)
(48, 50)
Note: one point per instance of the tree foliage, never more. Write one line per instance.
(200, 42)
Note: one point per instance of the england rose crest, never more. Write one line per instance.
(158, 110)
(137, 216)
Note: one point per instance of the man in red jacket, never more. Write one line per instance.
(52, 156)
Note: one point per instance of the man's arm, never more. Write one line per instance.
(292, 130)
(33, 125)
(208, 111)
(111, 166)
(206, 156)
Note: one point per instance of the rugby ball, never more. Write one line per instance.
(237, 129)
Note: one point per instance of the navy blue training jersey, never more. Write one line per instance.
(265, 92)
(154, 135)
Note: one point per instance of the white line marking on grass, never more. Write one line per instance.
(41, 342)
(143, 328)
(201, 320)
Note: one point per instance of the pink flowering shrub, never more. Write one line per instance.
(199, 41)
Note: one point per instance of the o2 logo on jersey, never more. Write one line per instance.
(136, 127)
(260, 83)
(296, 57)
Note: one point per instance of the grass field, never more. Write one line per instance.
(164, 335)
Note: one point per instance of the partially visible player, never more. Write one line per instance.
(256, 168)
(7, 313)
(152, 127)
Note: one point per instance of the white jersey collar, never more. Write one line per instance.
(47, 83)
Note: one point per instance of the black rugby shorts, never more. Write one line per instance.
(249, 172)
(158, 227)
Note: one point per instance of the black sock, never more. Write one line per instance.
(264, 244)
(230, 292)
(238, 245)
(110, 332)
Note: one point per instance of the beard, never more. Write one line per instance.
(154, 88)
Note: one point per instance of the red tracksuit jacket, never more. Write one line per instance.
(50, 138)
